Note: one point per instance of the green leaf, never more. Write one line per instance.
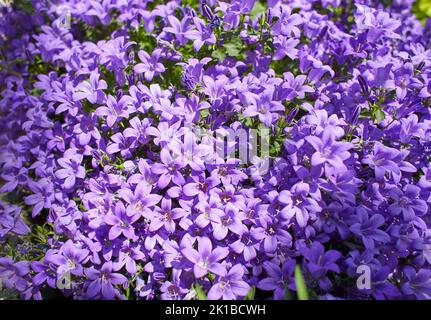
(232, 49)
(200, 293)
(379, 115)
(247, 121)
(204, 113)
(218, 54)
(422, 9)
(301, 288)
(25, 5)
(258, 8)
(250, 294)
(211, 276)
(286, 294)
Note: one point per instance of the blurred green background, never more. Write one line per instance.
(422, 9)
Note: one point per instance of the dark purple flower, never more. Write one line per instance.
(367, 227)
(318, 263)
(101, 282)
(418, 283)
(278, 279)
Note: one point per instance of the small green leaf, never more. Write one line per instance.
(204, 113)
(301, 288)
(211, 276)
(286, 294)
(218, 54)
(379, 115)
(258, 8)
(232, 49)
(200, 293)
(250, 294)
(25, 5)
(248, 122)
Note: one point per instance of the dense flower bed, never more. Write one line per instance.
(95, 96)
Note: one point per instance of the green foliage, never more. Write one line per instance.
(251, 293)
(200, 293)
(258, 8)
(422, 9)
(277, 138)
(24, 5)
(301, 288)
(375, 113)
(287, 294)
(30, 247)
(145, 41)
(232, 46)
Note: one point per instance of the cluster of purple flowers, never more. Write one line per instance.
(90, 195)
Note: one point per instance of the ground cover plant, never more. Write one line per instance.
(110, 187)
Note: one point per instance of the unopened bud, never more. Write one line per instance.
(207, 12)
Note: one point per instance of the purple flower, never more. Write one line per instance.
(101, 282)
(298, 204)
(202, 35)
(278, 279)
(173, 290)
(383, 159)
(169, 169)
(180, 29)
(10, 221)
(205, 259)
(13, 273)
(165, 216)
(287, 23)
(69, 258)
(150, 66)
(247, 244)
(418, 283)
(318, 263)
(294, 87)
(116, 110)
(368, 228)
(44, 272)
(42, 196)
(71, 168)
(118, 160)
(230, 286)
(285, 47)
(264, 107)
(121, 222)
(130, 253)
(229, 221)
(407, 203)
(141, 200)
(328, 150)
(91, 90)
(273, 234)
(200, 186)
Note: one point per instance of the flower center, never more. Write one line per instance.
(203, 263)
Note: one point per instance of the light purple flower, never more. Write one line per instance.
(205, 259)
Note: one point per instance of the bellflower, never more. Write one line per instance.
(150, 147)
(206, 258)
(150, 65)
(103, 281)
